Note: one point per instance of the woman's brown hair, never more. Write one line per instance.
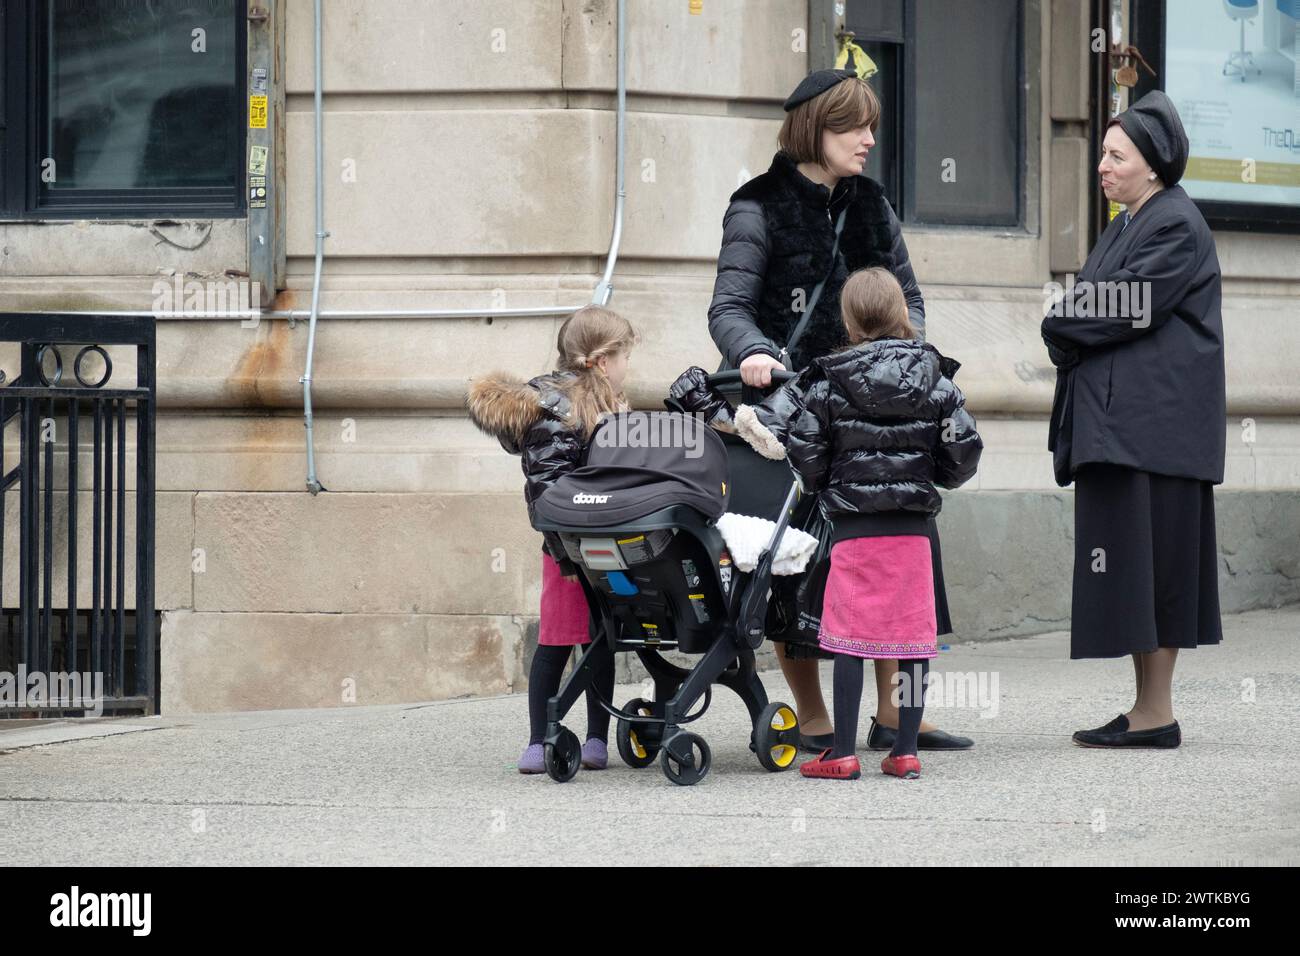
(584, 338)
(843, 107)
(872, 307)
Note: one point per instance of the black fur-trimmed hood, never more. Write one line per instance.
(505, 406)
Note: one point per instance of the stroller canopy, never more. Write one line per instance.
(638, 463)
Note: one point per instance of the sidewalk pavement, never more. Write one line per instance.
(436, 783)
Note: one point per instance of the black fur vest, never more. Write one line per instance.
(799, 216)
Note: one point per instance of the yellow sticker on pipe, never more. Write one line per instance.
(257, 112)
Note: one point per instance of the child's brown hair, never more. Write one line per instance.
(872, 306)
(584, 338)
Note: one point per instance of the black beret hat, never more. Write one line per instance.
(815, 84)
(1153, 124)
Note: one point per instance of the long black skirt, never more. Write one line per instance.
(1145, 563)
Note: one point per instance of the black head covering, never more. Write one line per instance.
(1156, 130)
(815, 84)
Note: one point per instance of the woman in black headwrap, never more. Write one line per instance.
(1139, 423)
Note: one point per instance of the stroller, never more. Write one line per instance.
(640, 524)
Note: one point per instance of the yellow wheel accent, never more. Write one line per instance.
(783, 754)
(636, 744)
(784, 719)
(776, 736)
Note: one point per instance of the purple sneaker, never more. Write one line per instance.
(533, 759)
(595, 754)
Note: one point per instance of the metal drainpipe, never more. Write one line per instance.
(313, 483)
(604, 289)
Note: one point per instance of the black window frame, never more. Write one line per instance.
(889, 135)
(23, 62)
(1147, 26)
(903, 126)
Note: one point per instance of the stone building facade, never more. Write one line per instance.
(469, 158)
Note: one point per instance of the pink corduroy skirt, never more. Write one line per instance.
(564, 608)
(879, 601)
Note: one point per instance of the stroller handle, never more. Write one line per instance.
(751, 620)
(732, 377)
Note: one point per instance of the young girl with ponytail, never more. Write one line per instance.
(549, 421)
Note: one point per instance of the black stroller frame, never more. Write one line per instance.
(647, 730)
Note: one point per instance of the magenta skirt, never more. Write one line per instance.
(879, 599)
(564, 608)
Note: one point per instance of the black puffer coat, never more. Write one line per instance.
(530, 419)
(777, 237)
(871, 429)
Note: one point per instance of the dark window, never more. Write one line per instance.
(131, 108)
(950, 149)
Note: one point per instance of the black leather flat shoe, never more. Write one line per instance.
(816, 743)
(882, 738)
(1117, 734)
(942, 740)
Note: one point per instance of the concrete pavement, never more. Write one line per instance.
(436, 784)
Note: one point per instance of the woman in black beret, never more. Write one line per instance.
(814, 218)
(1139, 423)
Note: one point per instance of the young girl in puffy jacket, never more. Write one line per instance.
(549, 421)
(870, 429)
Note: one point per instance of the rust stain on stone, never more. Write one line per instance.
(262, 360)
(483, 657)
(285, 300)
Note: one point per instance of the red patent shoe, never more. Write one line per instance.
(906, 766)
(841, 768)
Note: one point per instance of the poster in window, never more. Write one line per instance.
(1231, 68)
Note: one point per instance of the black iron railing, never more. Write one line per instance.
(65, 405)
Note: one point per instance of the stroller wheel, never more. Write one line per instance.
(635, 743)
(776, 736)
(686, 759)
(563, 757)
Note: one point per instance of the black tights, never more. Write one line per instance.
(544, 683)
(848, 699)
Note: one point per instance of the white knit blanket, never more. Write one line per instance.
(747, 536)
